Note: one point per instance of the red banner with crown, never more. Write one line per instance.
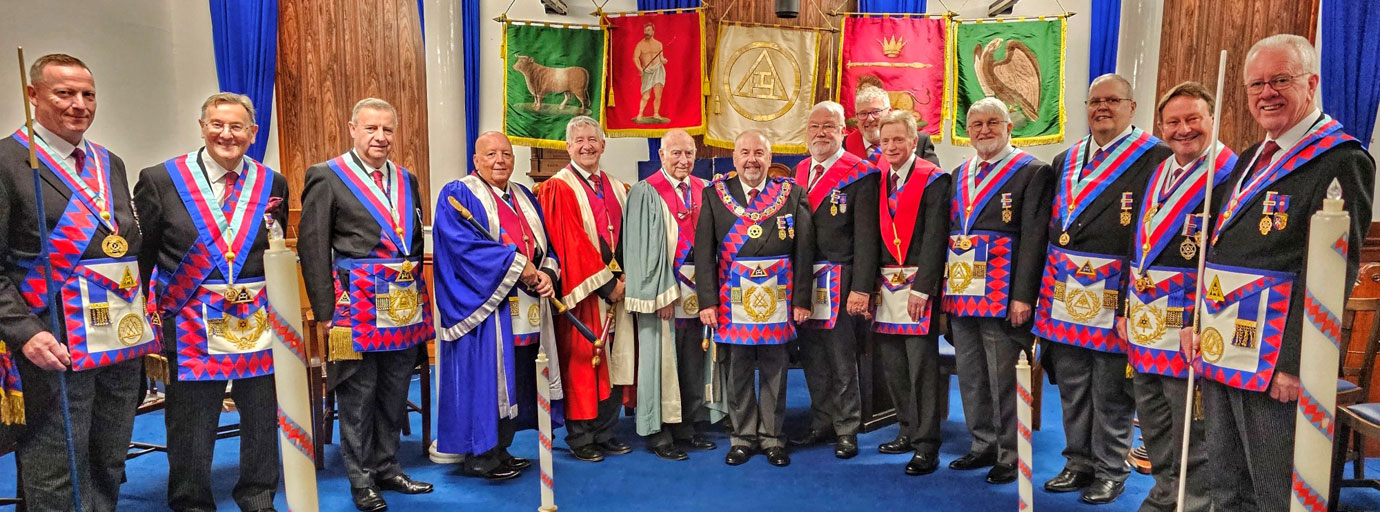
(903, 56)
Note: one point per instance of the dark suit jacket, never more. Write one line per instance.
(850, 238)
(1098, 228)
(170, 232)
(924, 148)
(19, 232)
(335, 224)
(716, 220)
(1032, 192)
(1241, 244)
(930, 238)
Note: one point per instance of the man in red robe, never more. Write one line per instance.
(584, 207)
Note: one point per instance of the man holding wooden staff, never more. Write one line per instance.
(1253, 287)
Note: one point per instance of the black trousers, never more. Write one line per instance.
(1160, 402)
(489, 461)
(371, 397)
(102, 402)
(191, 417)
(1098, 402)
(756, 416)
(600, 429)
(910, 365)
(830, 360)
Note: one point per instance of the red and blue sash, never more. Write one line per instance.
(846, 170)
(1325, 136)
(1076, 194)
(1155, 230)
(227, 230)
(972, 196)
(514, 231)
(393, 211)
(767, 203)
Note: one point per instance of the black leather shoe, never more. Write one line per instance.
(776, 455)
(367, 499)
(1068, 480)
(1102, 492)
(700, 442)
(738, 455)
(587, 453)
(922, 464)
(899, 445)
(972, 460)
(500, 472)
(614, 447)
(517, 463)
(670, 452)
(846, 447)
(811, 437)
(1001, 474)
(404, 484)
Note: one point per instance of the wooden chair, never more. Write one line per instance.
(1357, 418)
(1352, 387)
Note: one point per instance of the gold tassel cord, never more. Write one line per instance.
(342, 345)
(12, 408)
(156, 366)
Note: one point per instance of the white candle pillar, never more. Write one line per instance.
(290, 375)
(1023, 414)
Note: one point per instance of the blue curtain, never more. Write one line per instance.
(470, 24)
(1106, 26)
(246, 43)
(654, 144)
(896, 6)
(1351, 64)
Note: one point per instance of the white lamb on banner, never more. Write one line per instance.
(542, 80)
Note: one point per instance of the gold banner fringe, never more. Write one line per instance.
(342, 346)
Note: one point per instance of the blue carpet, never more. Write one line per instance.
(815, 480)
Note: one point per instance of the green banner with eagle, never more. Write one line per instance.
(1020, 62)
(552, 72)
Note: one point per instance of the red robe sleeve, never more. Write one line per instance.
(582, 269)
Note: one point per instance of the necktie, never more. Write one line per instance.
(596, 181)
(378, 180)
(80, 160)
(228, 190)
(983, 169)
(1092, 164)
(1173, 179)
(892, 185)
(752, 195)
(508, 199)
(815, 173)
(1262, 160)
(684, 194)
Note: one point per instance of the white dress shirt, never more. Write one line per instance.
(216, 174)
(1292, 136)
(60, 145)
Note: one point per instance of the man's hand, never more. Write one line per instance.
(915, 307)
(1121, 327)
(857, 303)
(800, 314)
(544, 288)
(44, 351)
(710, 317)
(618, 290)
(1019, 313)
(666, 312)
(529, 275)
(1284, 387)
(1188, 344)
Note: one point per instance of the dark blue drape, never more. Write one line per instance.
(246, 43)
(1106, 26)
(1351, 64)
(654, 144)
(470, 23)
(896, 6)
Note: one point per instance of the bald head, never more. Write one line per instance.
(677, 153)
(493, 158)
(1110, 107)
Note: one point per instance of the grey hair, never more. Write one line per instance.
(228, 98)
(752, 133)
(372, 104)
(832, 107)
(582, 121)
(1113, 77)
(868, 93)
(1305, 55)
(990, 105)
(901, 117)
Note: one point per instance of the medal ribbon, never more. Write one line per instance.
(1153, 234)
(1243, 192)
(232, 234)
(97, 161)
(1075, 194)
(390, 212)
(973, 196)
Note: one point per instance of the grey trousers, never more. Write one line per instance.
(191, 418)
(1160, 404)
(1250, 442)
(910, 365)
(690, 358)
(600, 429)
(756, 419)
(985, 353)
(1098, 404)
(371, 397)
(102, 402)
(830, 360)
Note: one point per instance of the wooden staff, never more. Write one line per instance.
(54, 325)
(1200, 302)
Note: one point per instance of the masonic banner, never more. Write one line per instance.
(764, 79)
(656, 73)
(551, 74)
(1019, 62)
(903, 56)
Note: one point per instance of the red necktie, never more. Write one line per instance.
(378, 180)
(684, 194)
(1173, 179)
(596, 182)
(752, 195)
(228, 192)
(815, 173)
(1092, 164)
(892, 186)
(1262, 159)
(983, 169)
(91, 179)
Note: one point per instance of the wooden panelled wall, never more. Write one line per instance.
(813, 13)
(1196, 31)
(380, 43)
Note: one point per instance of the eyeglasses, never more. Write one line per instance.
(1278, 82)
(871, 113)
(1109, 102)
(994, 124)
(235, 129)
(826, 127)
